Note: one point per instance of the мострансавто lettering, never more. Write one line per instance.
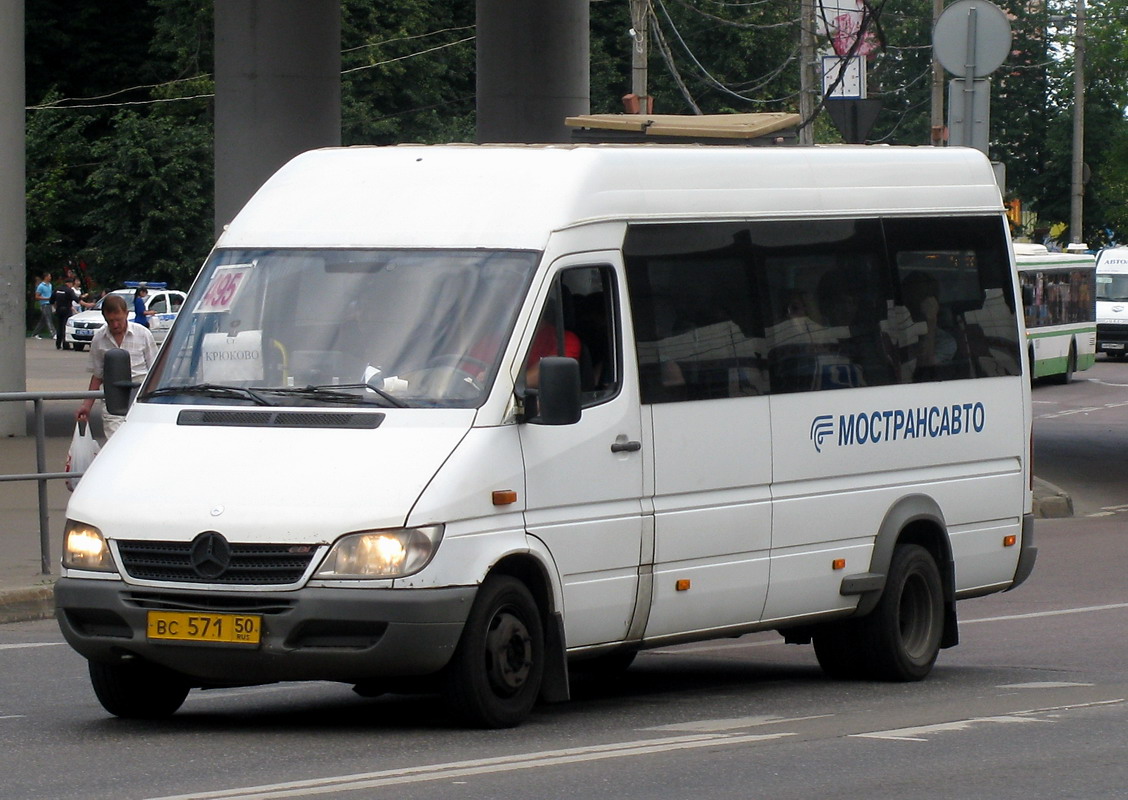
(892, 425)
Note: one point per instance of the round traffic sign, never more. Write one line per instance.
(971, 35)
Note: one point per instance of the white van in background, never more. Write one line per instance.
(1112, 302)
(460, 416)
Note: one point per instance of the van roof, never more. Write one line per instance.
(1030, 255)
(1113, 259)
(513, 196)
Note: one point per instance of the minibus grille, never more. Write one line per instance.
(280, 419)
(246, 564)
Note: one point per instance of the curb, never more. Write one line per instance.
(1055, 504)
(26, 605)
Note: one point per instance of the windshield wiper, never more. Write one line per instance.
(211, 390)
(336, 393)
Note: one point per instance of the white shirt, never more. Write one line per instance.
(137, 341)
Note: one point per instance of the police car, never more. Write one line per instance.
(166, 302)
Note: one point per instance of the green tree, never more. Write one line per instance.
(151, 215)
(408, 71)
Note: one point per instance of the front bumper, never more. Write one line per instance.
(345, 635)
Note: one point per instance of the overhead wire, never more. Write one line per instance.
(82, 102)
(708, 77)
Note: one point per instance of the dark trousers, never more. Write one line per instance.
(60, 330)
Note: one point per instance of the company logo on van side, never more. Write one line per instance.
(896, 425)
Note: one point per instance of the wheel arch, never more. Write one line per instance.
(916, 519)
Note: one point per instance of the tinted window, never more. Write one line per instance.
(579, 321)
(698, 323)
(735, 309)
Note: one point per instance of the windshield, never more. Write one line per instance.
(1112, 287)
(406, 328)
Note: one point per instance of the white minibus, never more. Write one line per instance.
(461, 418)
(1112, 302)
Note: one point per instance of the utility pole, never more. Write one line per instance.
(1077, 195)
(810, 85)
(640, 19)
(937, 117)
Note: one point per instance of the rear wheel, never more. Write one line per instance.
(1070, 367)
(494, 678)
(137, 691)
(900, 639)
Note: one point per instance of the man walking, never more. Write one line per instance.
(64, 300)
(118, 331)
(43, 293)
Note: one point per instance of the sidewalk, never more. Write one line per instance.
(25, 593)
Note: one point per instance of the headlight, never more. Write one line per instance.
(84, 548)
(381, 554)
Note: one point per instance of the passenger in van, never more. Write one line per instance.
(546, 343)
(846, 300)
(921, 292)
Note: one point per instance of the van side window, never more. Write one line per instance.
(830, 304)
(579, 321)
(732, 309)
(698, 326)
(954, 278)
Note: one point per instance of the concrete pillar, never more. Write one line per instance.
(532, 69)
(13, 216)
(277, 90)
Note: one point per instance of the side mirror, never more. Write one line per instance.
(558, 399)
(117, 381)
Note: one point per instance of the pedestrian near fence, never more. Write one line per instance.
(64, 300)
(43, 294)
(118, 331)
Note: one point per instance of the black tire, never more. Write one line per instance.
(79, 347)
(494, 677)
(137, 691)
(900, 639)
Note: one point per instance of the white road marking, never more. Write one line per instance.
(1038, 614)
(1043, 685)
(1086, 410)
(462, 769)
(712, 725)
(29, 644)
(920, 732)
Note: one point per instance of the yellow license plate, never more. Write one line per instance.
(192, 626)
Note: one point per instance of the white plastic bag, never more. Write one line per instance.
(82, 451)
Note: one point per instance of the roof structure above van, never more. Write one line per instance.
(775, 128)
(515, 196)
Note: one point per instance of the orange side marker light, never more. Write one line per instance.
(504, 497)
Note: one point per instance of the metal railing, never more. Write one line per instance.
(41, 474)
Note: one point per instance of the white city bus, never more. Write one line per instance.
(1059, 299)
(462, 417)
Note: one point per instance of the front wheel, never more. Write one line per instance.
(494, 677)
(137, 691)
